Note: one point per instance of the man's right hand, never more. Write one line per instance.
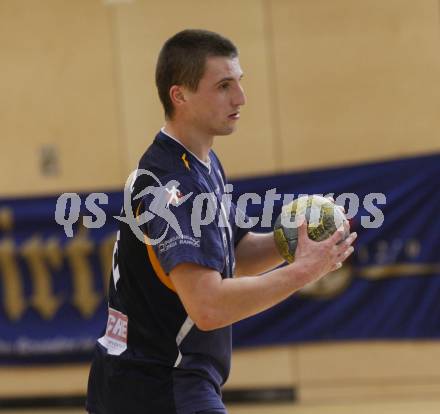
(319, 258)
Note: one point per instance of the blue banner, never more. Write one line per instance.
(53, 287)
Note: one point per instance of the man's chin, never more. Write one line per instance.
(226, 131)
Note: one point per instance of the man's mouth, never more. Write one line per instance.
(235, 115)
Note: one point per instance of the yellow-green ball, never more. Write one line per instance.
(323, 219)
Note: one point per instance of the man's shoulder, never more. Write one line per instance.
(166, 161)
(165, 156)
(161, 157)
(164, 177)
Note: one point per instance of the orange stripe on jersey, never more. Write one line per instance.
(185, 161)
(137, 211)
(157, 267)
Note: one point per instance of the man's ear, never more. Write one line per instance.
(177, 95)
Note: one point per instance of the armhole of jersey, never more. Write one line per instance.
(157, 267)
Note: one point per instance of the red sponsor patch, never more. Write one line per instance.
(117, 325)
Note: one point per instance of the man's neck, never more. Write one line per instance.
(195, 142)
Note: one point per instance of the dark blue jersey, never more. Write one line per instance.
(152, 358)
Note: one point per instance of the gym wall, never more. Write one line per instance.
(327, 84)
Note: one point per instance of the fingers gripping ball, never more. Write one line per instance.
(323, 219)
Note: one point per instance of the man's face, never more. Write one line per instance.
(214, 108)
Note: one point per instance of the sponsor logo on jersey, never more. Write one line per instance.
(115, 338)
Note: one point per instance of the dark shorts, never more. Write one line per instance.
(122, 386)
(205, 412)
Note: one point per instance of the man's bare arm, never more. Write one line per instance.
(213, 302)
(256, 253)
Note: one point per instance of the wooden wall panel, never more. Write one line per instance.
(260, 367)
(43, 380)
(326, 84)
(57, 89)
(356, 80)
(367, 361)
(142, 27)
(368, 370)
(324, 372)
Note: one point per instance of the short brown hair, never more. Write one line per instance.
(182, 61)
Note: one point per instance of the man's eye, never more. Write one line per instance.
(224, 86)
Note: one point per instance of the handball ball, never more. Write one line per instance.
(323, 219)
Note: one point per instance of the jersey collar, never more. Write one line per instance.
(207, 164)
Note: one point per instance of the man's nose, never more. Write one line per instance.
(239, 97)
